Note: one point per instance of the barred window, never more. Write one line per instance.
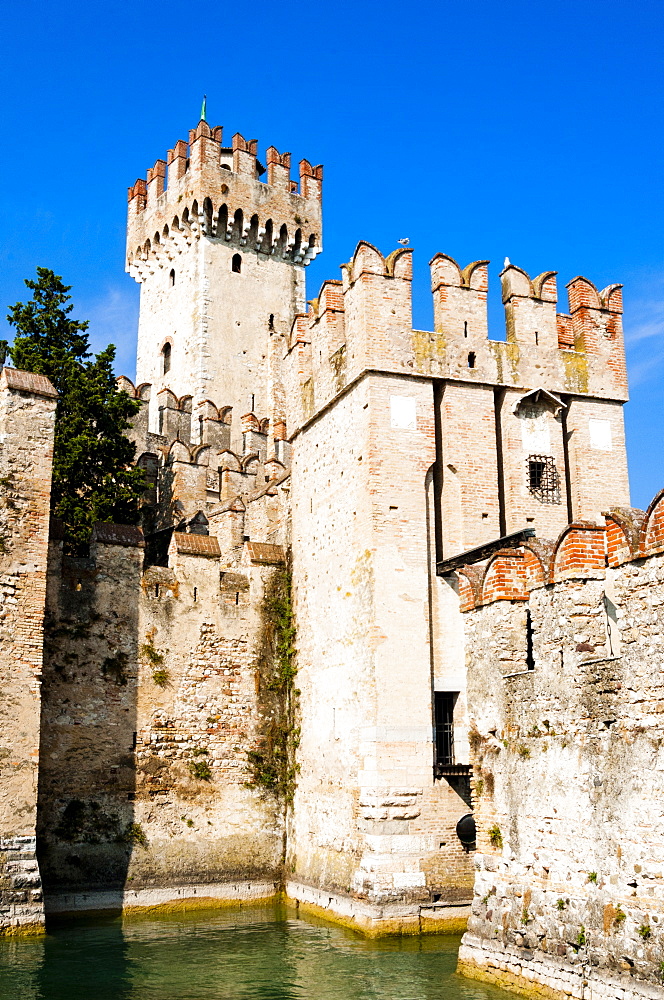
(543, 479)
(444, 722)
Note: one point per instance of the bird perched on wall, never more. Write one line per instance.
(404, 242)
(508, 263)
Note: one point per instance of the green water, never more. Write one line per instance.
(249, 954)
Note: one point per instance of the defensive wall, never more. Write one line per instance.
(27, 417)
(563, 654)
(155, 687)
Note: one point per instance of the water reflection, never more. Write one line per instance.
(248, 954)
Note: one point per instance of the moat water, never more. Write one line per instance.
(249, 954)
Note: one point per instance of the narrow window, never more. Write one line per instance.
(156, 590)
(271, 322)
(166, 356)
(444, 727)
(536, 337)
(471, 359)
(237, 597)
(465, 328)
(236, 264)
(172, 277)
(195, 595)
(543, 478)
(530, 655)
(536, 469)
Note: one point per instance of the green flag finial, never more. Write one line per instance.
(204, 108)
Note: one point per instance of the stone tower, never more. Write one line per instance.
(220, 255)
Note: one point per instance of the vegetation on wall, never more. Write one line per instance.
(272, 763)
(149, 652)
(93, 477)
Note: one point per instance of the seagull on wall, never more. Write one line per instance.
(404, 242)
(508, 263)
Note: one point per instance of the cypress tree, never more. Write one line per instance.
(93, 477)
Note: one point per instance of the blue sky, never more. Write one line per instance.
(524, 129)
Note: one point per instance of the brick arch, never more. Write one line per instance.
(367, 258)
(504, 578)
(538, 561)
(652, 535)
(201, 455)
(228, 460)
(468, 588)
(444, 271)
(624, 531)
(125, 384)
(179, 452)
(579, 552)
(399, 264)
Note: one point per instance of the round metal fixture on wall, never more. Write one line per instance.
(466, 831)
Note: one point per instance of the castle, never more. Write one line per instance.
(450, 660)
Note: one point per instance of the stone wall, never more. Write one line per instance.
(564, 644)
(372, 838)
(152, 701)
(27, 412)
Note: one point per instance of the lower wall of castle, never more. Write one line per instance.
(544, 976)
(150, 707)
(397, 917)
(21, 900)
(569, 789)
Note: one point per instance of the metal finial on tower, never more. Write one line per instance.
(204, 109)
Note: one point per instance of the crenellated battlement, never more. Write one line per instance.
(582, 551)
(191, 457)
(364, 321)
(205, 189)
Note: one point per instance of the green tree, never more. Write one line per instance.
(93, 477)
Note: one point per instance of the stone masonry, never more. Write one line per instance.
(27, 411)
(564, 647)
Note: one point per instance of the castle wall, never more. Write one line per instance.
(597, 457)
(568, 765)
(470, 510)
(372, 834)
(27, 413)
(151, 705)
(531, 431)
